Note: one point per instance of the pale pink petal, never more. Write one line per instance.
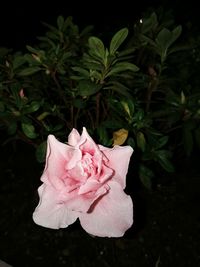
(87, 144)
(106, 174)
(50, 212)
(73, 137)
(57, 156)
(95, 181)
(82, 202)
(76, 157)
(111, 215)
(90, 185)
(118, 160)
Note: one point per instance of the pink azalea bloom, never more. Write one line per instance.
(21, 93)
(84, 180)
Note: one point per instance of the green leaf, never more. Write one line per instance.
(103, 136)
(87, 88)
(162, 157)
(141, 142)
(60, 22)
(117, 40)
(32, 107)
(97, 47)
(131, 142)
(176, 33)
(122, 67)
(166, 38)
(161, 142)
(41, 152)
(126, 107)
(29, 130)
(47, 40)
(29, 71)
(52, 28)
(149, 24)
(126, 52)
(66, 56)
(86, 30)
(57, 127)
(79, 103)
(146, 40)
(32, 49)
(118, 87)
(41, 54)
(18, 61)
(163, 38)
(15, 88)
(146, 176)
(84, 73)
(4, 51)
(92, 63)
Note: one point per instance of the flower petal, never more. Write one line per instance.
(57, 156)
(118, 160)
(73, 137)
(49, 212)
(87, 144)
(82, 202)
(111, 215)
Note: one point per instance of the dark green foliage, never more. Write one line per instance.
(144, 81)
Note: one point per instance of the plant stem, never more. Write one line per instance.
(60, 91)
(97, 109)
(152, 86)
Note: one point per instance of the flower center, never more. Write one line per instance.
(88, 167)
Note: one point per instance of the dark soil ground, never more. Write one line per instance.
(166, 231)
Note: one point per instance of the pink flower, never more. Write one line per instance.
(84, 180)
(21, 93)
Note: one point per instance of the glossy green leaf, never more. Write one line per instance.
(18, 61)
(79, 103)
(87, 88)
(97, 47)
(163, 38)
(117, 40)
(118, 87)
(162, 157)
(160, 142)
(103, 136)
(41, 152)
(146, 176)
(29, 71)
(29, 130)
(141, 142)
(176, 33)
(122, 67)
(129, 106)
(131, 142)
(32, 107)
(83, 72)
(149, 23)
(60, 22)
(4, 51)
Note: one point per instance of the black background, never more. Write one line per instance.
(21, 22)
